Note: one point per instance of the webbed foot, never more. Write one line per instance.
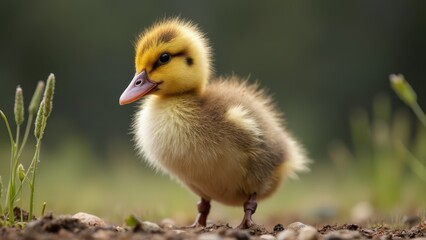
(203, 212)
(249, 209)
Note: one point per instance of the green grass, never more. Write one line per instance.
(19, 177)
(381, 154)
(387, 153)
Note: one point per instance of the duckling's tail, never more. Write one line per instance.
(296, 159)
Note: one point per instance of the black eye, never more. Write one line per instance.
(164, 58)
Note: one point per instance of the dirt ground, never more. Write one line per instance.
(50, 227)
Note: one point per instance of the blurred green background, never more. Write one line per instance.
(320, 60)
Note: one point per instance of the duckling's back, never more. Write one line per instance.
(224, 144)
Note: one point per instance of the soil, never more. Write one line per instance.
(53, 228)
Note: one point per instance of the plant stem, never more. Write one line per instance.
(11, 188)
(1, 195)
(32, 182)
(18, 131)
(34, 163)
(8, 127)
(43, 209)
(22, 215)
(20, 192)
(414, 163)
(27, 132)
(419, 113)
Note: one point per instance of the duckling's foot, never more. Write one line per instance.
(249, 209)
(203, 212)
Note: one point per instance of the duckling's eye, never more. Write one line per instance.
(164, 58)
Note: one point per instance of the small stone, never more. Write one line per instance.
(168, 223)
(119, 229)
(287, 235)
(278, 228)
(209, 236)
(89, 219)
(342, 235)
(352, 227)
(308, 233)
(150, 227)
(367, 232)
(267, 237)
(296, 226)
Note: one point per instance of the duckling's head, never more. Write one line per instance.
(172, 57)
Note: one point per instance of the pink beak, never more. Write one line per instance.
(138, 87)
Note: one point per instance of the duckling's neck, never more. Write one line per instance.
(189, 93)
(182, 102)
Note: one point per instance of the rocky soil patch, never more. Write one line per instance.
(86, 226)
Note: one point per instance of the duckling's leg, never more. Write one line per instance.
(249, 209)
(203, 211)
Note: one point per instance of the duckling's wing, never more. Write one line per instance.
(260, 125)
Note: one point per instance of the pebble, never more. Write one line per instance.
(308, 233)
(287, 235)
(168, 223)
(150, 227)
(89, 219)
(119, 229)
(342, 235)
(267, 237)
(300, 231)
(296, 226)
(278, 228)
(209, 236)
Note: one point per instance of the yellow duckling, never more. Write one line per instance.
(223, 139)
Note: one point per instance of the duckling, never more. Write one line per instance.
(222, 138)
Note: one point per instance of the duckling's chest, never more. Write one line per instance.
(172, 132)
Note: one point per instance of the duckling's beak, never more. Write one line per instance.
(138, 87)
